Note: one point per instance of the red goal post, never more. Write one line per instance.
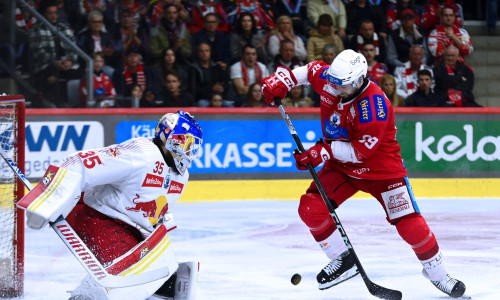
(12, 143)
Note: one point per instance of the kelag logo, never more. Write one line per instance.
(453, 147)
(458, 147)
(49, 142)
(238, 146)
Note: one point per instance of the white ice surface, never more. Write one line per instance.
(250, 249)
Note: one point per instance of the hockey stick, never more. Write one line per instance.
(373, 288)
(82, 253)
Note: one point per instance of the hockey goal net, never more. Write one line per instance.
(12, 120)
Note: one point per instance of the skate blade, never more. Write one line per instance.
(345, 276)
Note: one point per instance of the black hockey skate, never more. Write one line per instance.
(338, 270)
(450, 286)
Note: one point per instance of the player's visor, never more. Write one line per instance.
(336, 88)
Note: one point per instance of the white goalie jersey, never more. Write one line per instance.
(129, 181)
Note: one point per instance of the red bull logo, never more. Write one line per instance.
(153, 181)
(179, 139)
(175, 187)
(153, 209)
(113, 152)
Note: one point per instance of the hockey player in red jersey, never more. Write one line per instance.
(361, 153)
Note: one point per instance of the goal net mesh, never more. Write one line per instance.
(9, 233)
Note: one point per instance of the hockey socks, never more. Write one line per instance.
(416, 233)
(333, 246)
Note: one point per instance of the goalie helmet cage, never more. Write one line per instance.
(12, 128)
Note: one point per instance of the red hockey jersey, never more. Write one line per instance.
(367, 122)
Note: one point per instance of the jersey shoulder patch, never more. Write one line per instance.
(324, 72)
(380, 107)
(365, 111)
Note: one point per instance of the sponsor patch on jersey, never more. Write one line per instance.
(380, 108)
(326, 101)
(332, 130)
(364, 110)
(113, 152)
(153, 181)
(323, 73)
(398, 202)
(175, 187)
(166, 182)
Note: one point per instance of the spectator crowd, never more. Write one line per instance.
(211, 53)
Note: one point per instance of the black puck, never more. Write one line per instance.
(296, 279)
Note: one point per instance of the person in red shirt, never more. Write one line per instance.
(104, 90)
(361, 153)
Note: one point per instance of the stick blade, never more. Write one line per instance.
(384, 293)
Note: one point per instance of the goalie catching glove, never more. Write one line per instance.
(278, 84)
(316, 155)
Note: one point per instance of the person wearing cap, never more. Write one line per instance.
(394, 10)
(402, 39)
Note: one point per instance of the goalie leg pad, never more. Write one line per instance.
(187, 280)
(108, 238)
(152, 254)
(182, 285)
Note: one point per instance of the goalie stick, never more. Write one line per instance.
(82, 253)
(373, 288)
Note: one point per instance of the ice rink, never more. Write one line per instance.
(250, 249)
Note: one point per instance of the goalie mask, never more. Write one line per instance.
(181, 136)
(346, 73)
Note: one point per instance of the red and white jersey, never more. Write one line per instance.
(438, 41)
(366, 122)
(376, 72)
(129, 181)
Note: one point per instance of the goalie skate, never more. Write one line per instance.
(450, 286)
(338, 270)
